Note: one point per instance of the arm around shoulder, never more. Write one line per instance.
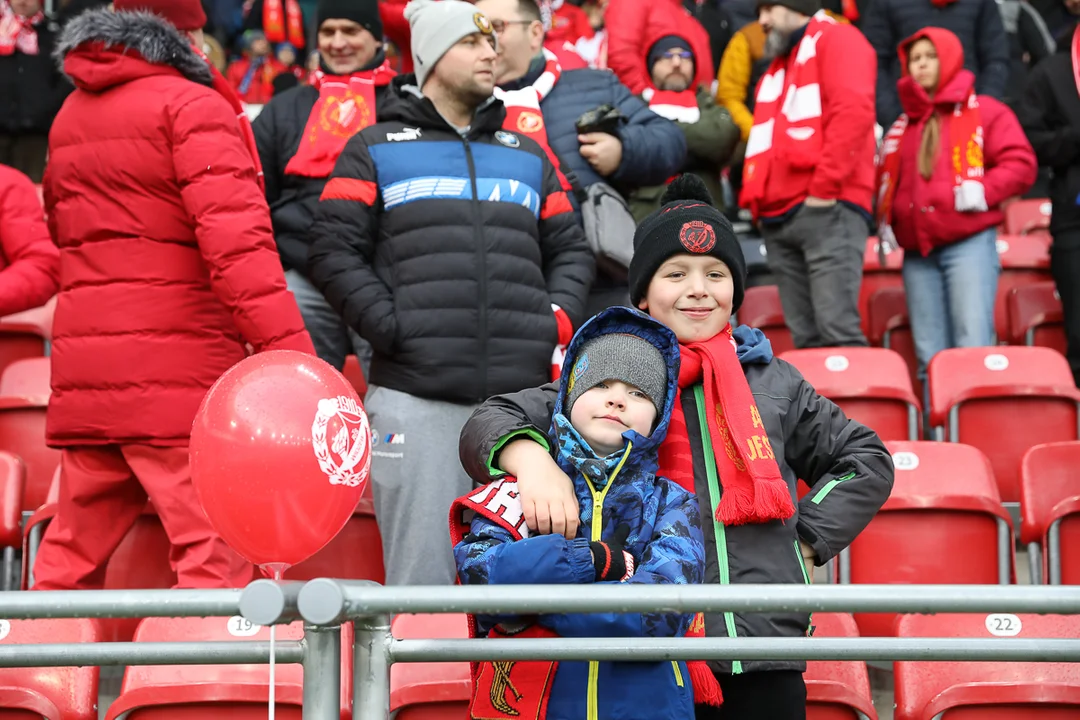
(522, 415)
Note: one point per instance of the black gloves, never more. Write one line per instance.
(610, 559)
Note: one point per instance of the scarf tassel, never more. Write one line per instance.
(767, 499)
(706, 686)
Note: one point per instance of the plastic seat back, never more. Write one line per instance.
(53, 693)
(1025, 259)
(877, 276)
(1035, 316)
(430, 691)
(239, 692)
(1023, 217)
(761, 309)
(871, 385)
(837, 690)
(355, 553)
(987, 690)
(1050, 509)
(943, 523)
(890, 327)
(1003, 400)
(12, 480)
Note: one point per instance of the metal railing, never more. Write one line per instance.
(324, 605)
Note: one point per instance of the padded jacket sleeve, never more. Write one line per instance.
(733, 82)
(1051, 134)
(992, 70)
(220, 190)
(503, 418)
(265, 129)
(653, 148)
(1011, 167)
(625, 22)
(343, 248)
(569, 265)
(32, 272)
(848, 468)
(878, 26)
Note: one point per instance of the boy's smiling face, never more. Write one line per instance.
(692, 295)
(608, 409)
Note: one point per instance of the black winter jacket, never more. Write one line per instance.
(845, 463)
(292, 198)
(977, 23)
(1050, 116)
(446, 252)
(32, 88)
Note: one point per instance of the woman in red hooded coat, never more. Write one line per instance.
(945, 168)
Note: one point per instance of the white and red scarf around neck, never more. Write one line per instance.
(18, 32)
(677, 106)
(523, 114)
(787, 114)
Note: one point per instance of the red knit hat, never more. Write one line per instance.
(183, 14)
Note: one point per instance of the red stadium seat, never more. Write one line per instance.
(12, 479)
(1024, 259)
(355, 375)
(430, 691)
(55, 693)
(26, 378)
(22, 426)
(1050, 512)
(987, 690)
(871, 385)
(34, 528)
(1034, 316)
(943, 523)
(1023, 217)
(877, 276)
(1003, 400)
(355, 553)
(238, 692)
(761, 309)
(26, 334)
(890, 327)
(837, 690)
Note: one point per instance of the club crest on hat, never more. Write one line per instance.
(482, 23)
(697, 236)
(530, 122)
(506, 138)
(580, 367)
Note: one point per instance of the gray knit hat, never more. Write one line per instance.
(438, 25)
(619, 356)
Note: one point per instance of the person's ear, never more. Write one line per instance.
(643, 306)
(536, 34)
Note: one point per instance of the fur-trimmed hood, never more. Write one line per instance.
(102, 48)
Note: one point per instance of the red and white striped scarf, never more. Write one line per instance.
(18, 32)
(677, 106)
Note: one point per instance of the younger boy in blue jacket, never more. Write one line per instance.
(619, 383)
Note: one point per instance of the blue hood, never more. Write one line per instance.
(752, 347)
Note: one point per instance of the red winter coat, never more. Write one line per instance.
(29, 262)
(568, 24)
(397, 29)
(632, 28)
(261, 87)
(923, 216)
(167, 259)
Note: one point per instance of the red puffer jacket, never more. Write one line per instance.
(29, 262)
(923, 214)
(167, 259)
(634, 25)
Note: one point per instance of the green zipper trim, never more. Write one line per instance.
(806, 579)
(829, 487)
(719, 533)
(529, 433)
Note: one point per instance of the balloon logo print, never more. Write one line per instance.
(340, 429)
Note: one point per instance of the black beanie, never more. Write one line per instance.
(664, 44)
(804, 7)
(688, 224)
(362, 12)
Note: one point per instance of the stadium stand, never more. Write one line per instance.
(26, 334)
(355, 553)
(1050, 512)
(12, 480)
(1024, 259)
(837, 690)
(1027, 217)
(1034, 316)
(877, 275)
(60, 693)
(889, 326)
(22, 425)
(761, 309)
(430, 691)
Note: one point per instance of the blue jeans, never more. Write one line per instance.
(950, 295)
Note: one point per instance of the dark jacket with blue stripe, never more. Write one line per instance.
(665, 539)
(848, 469)
(446, 252)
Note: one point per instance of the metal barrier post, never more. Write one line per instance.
(371, 668)
(322, 672)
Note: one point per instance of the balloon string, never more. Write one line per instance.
(272, 658)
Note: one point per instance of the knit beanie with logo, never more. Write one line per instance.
(687, 223)
(619, 356)
(362, 12)
(438, 25)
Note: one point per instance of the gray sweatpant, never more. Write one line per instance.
(415, 476)
(329, 334)
(817, 258)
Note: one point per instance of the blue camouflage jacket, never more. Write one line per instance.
(665, 539)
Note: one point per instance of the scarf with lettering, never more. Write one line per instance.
(283, 22)
(754, 489)
(18, 32)
(346, 105)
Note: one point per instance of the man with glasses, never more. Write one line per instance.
(642, 149)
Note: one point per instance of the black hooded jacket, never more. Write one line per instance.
(446, 251)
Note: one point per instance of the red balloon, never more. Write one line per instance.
(280, 453)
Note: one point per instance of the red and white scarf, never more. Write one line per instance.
(677, 106)
(283, 22)
(786, 123)
(965, 155)
(346, 105)
(18, 32)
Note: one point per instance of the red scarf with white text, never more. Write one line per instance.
(346, 105)
(18, 32)
(283, 22)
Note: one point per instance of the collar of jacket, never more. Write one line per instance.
(794, 39)
(536, 69)
(379, 59)
(405, 103)
(143, 33)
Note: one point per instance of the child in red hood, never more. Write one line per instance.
(946, 166)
